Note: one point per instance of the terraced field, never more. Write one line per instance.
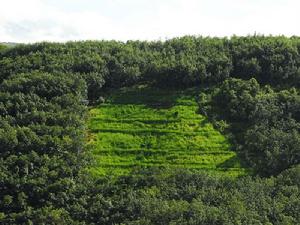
(142, 127)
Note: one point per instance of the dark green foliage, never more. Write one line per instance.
(181, 197)
(41, 143)
(179, 62)
(270, 60)
(265, 123)
(272, 149)
(2, 47)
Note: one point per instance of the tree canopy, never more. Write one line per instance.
(248, 87)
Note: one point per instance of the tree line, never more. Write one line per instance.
(180, 62)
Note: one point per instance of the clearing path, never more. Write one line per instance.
(157, 128)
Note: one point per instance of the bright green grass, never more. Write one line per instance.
(140, 127)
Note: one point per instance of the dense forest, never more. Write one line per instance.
(247, 87)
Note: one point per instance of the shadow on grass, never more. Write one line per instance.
(204, 122)
(232, 162)
(151, 97)
(146, 121)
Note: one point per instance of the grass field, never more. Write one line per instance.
(141, 127)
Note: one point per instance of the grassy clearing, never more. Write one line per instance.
(140, 127)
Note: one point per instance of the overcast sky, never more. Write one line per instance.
(63, 20)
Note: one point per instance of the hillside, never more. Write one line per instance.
(143, 127)
(169, 164)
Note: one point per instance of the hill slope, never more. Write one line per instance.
(147, 127)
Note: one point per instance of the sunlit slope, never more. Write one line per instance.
(143, 127)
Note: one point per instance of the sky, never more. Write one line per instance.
(30, 21)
